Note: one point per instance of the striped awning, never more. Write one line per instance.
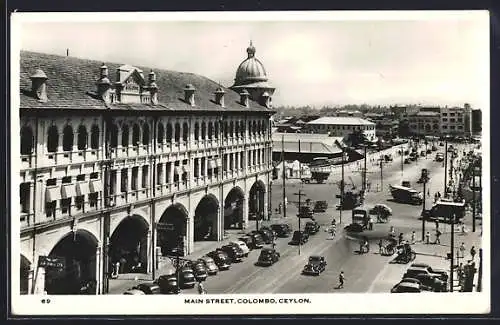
(68, 191)
(82, 188)
(95, 186)
(52, 194)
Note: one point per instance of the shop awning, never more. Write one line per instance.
(212, 164)
(52, 194)
(82, 188)
(68, 191)
(95, 186)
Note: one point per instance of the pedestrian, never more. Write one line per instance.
(427, 237)
(413, 237)
(280, 207)
(341, 280)
(370, 223)
(436, 223)
(463, 228)
(438, 234)
(400, 238)
(381, 247)
(428, 193)
(462, 250)
(472, 252)
(201, 289)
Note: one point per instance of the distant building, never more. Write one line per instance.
(340, 126)
(387, 128)
(456, 121)
(476, 117)
(424, 123)
(345, 113)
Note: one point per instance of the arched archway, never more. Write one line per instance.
(24, 275)
(128, 245)
(205, 219)
(233, 209)
(171, 229)
(256, 201)
(77, 250)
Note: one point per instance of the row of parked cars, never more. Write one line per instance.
(422, 277)
(220, 259)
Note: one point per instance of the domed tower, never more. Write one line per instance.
(251, 76)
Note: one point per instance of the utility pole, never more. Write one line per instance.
(445, 165)
(342, 186)
(364, 171)
(300, 194)
(480, 271)
(381, 175)
(452, 248)
(473, 198)
(402, 160)
(424, 180)
(284, 174)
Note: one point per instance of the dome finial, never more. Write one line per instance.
(251, 50)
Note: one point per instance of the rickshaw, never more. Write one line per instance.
(390, 248)
(405, 253)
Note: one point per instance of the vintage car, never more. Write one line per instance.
(247, 240)
(268, 256)
(199, 270)
(168, 284)
(266, 234)
(134, 292)
(242, 246)
(430, 282)
(209, 263)
(305, 212)
(406, 287)
(315, 265)
(282, 230)
(312, 227)
(443, 273)
(257, 240)
(149, 288)
(186, 277)
(299, 238)
(235, 253)
(407, 161)
(221, 259)
(320, 206)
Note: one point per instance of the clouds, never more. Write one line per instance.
(310, 62)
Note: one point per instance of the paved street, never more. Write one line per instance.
(363, 272)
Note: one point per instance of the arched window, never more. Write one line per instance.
(185, 131)
(113, 136)
(161, 133)
(231, 129)
(68, 138)
(203, 131)
(196, 131)
(125, 135)
(94, 137)
(169, 132)
(177, 133)
(226, 129)
(210, 130)
(145, 134)
(254, 128)
(136, 135)
(82, 137)
(26, 140)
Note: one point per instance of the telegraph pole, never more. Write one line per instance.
(342, 185)
(284, 174)
(402, 160)
(364, 171)
(445, 165)
(473, 198)
(298, 215)
(452, 248)
(381, 175)
(424, 180)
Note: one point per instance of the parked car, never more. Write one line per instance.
(439, 156)
(320, 206)
(266, 234)
(242, 246)
(299, 237)
(199, 270)
(443, 273)
(221, 259)
(354, 227)
(187, 278)
(268, 256)
(209, 263)
(149, 288)
(312, 227)
(407, 161)
(406, 287)
(234, 253)
(247, 240)
(431, 283)
(413, 280)
(257, 240)
(134, 292)
(434, 148)
(315, 265)
(282, 230)
(305, 212)
(168, 284)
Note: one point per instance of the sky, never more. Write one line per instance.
(439, 59)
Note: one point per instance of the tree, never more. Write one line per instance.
(356, 139)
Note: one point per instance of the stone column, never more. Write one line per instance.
(150, 251)
(245, 211)
(129, 179)
(99, 272)
(31, 276)
(139, 177)
(39, 281)
(205, 167)
(199, 166)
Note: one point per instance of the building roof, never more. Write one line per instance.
(309, 143)
(72, 81)
(426, 113)
(341, 120)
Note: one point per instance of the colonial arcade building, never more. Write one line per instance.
(120, 165)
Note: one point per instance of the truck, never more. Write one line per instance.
(406, 194)
(319, 174)
(444, 210)
(361, 216)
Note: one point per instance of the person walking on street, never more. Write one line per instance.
(427, 238)
(472, 252)
(462, 250)
(438, 234)
(413, 237)
(341, 280)
(370, 223)
(437, 224)
(201, 289)
(400, 238)
(381, 247)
